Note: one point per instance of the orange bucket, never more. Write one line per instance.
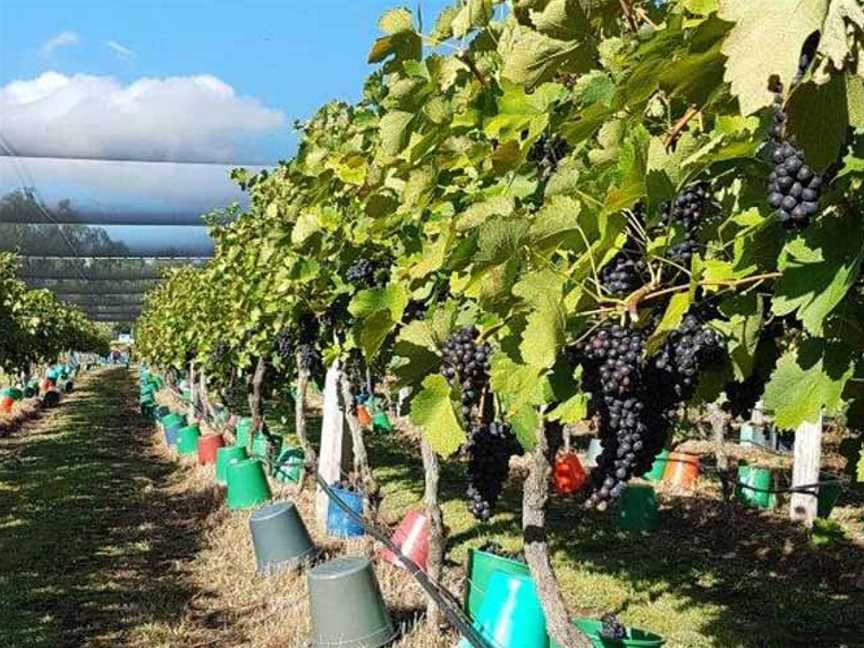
(6, 405)
(569, 475)
(363, 416)
(682, 469)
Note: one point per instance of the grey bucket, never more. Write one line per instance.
(280, 538)
(346, 606)
(595, 447)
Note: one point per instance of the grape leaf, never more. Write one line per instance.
(524, 423)
(806, 381)
(432, 410)
(819, 118)
(531, 57)
(766, 40)
(394, 130)
(834, 43)
(818, 268)
(473, 13)
(543, 336)
(392, 298)
(678, 306)
(573, 410)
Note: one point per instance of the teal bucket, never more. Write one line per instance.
(481, 565)
(658, 467)
(243, 432)
(511, 615)
(753, 486)
(259, 445)
(828, 496)
(637, 509)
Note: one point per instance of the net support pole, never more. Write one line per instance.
(805, 470)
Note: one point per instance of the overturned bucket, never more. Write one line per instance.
(481, 566)
(347, 607)
(208, 445)
(633, 637)
(569, 475)
(655, 474)
(412, 538)
(511, 615)
(754, 487)
(290, 466)
(187, 439)
(595, 448)
(247, 484)
(682, 469)
(243, 432)
(637, 509)
(225, 456)
(280, 538)
(339, 523)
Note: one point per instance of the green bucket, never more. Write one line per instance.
(381, 422)
(224, 456)
(243, 432)
(259, 445)
(279, 538)
(828, 496)
(12, 392)
(752, 487)
(481, 564)
(161, 412)
(290, 465)
(637, 510)
(634, 637)
(187, 439)
(658, 467)
(171, 420)
(247, 484)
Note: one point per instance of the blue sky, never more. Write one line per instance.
(290, 55)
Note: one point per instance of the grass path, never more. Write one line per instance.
(89, 528)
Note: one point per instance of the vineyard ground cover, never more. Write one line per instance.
(110, 540)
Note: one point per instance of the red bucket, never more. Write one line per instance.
(48, 384)
(682, 470)
(207, 447)
(363, 416)
(412, 538)
(6, 404)
(569, 475)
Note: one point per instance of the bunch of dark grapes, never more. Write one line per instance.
(612, 628)
(490, 446)
(466, 363)
(686, 351)
(636, 400)
(285, 347)
(364, 273)
(623, 274)
(546, 153)
(219, 353)
(688, 209)
(743, 396)
(794, 188)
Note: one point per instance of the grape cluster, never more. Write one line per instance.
(467, 363)
(364, 273)
(612, 628)
(794, 188)
(688, 209)
(490, 446)
(623, 274)
(635, 399)
(686, 351)
(219, 353)
(546, 153)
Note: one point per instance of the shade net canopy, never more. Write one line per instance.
(100, 233)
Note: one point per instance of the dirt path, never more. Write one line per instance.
(92, 526)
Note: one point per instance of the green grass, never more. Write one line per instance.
(86, 533)
(712, 575)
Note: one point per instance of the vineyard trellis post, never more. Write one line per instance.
(803, 506)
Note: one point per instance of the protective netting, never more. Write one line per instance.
(100, 233)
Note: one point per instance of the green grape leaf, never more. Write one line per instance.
(524, 423)
(834, 43)
(394, 131)
(573, 410)
(432, 410)
(371, 331)
(806, 381)
(530, 57)
(472, 14)
(543, 336)
(766, 40)
(391, 298)
(678, 306)
(819, 118)
(818, 268)
(417, 353)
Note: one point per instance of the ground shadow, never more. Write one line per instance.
(89, 535)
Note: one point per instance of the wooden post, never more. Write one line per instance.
(805, 470)
(435, 560)
(335, 453)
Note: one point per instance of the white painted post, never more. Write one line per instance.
(335, 452)
(805, 470)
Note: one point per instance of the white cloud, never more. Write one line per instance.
(193, 119)
(121, 50)
(63, 39)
